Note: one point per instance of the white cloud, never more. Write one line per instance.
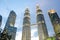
(33, 31)
(18, 35)
(35, 38)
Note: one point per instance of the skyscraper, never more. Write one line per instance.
(0, 24)
(11, 19)
(42, 29)
(0, 20)
(55, 21)
(9, 27)
(9, 33)
(26, 32)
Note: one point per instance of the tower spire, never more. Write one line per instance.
(27, 10)
(27, 14)
(37, 6)
(38, 10)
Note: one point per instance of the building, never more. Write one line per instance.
(0, 24)
(9, 27)
(0, 20)
(55, 20)
(11, 19)
(26, 32)
(9, 33)
(42, 29)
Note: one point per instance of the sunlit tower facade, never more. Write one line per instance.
(55, 20)
(26, 31)
(9, 27)
(42, 29)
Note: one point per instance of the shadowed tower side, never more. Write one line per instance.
(26, 32)
(42, 29)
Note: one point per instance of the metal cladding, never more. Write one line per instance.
(26, 32)
(42, 29)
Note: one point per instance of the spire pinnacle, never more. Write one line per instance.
(37, 6)
(27, 10)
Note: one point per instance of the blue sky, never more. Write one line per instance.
(19, 7)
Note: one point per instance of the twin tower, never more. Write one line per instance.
(42, 29)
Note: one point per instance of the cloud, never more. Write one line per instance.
(33, 31)
(35, 38)
(18, 35)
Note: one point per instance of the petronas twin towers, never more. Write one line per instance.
(42, 30)
(9, 31)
